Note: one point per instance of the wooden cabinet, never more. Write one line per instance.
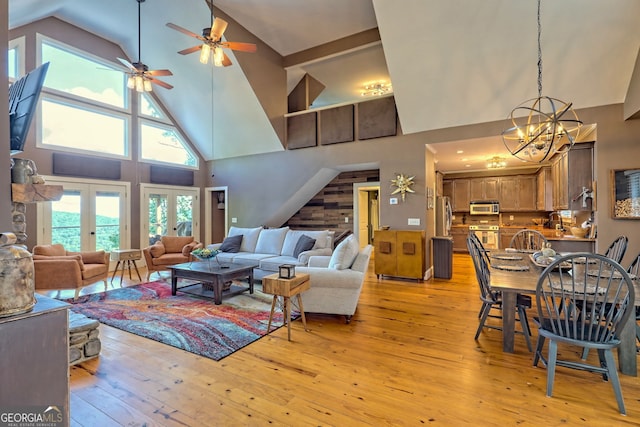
(459, 235)
(544, 189)
(35, 358)
(571, 172)
(527, 193)
(461, 195)
(518, 193)
(400, 253)
(484, 188)
(509, 194)
(506, 234)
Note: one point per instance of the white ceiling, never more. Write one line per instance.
(451, 62)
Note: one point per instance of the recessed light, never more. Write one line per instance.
(459, 152)
(467, 166)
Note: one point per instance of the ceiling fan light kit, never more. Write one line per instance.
(212, 44)
(542, 126)
(140, 77)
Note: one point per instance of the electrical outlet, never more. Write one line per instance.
(234, 220)
(393, 201)
(346, 219)
(510, 217)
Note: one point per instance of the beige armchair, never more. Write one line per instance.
(56, 268)
(167, 251)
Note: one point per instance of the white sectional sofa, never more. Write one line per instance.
(271, 247)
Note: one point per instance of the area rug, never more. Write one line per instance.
(184, 321)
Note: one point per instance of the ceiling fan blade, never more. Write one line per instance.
(225, 60)
(219, 25)
(159, 73)
(161, 83)
(184, 31)
(127, 64)
(190, 50)
(242, 47)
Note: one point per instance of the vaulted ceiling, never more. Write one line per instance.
(451, 62)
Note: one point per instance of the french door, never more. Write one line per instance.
(89, 216)
(168, 211)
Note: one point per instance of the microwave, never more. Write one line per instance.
(484, 208)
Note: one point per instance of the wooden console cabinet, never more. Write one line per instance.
(35, 358)
(400, 253)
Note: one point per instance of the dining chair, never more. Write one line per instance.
(492, 300)
(616, 250)
(528, 240)
(485, 254)
(606, 292)
(634, 273)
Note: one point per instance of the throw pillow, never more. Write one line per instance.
(231, 244)
(344, 254)
(157, 249)
(92, 257)
(305, 243)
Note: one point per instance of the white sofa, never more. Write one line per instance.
(269, 248)
(335, 290)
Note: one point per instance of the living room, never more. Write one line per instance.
(261, 184)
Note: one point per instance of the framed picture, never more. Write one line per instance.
(625, 193)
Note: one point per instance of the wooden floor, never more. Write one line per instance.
(407, 358)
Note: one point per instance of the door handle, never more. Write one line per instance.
(93, 233)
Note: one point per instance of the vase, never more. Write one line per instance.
(17, 288)
(22, 171)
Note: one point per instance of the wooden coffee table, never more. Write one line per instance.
(211, 277)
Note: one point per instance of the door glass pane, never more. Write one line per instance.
(65, 220)
(107, 220)
(184, 215)
(157, 217)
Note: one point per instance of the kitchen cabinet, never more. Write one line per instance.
(459, 235)
(484, 188)
(506, 234)
(400, 253)
(544, 190)
(518, 193)
(571, 172)
(461, 195)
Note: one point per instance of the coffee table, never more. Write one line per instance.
(211, 277)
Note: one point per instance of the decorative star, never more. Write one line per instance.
(403, 184)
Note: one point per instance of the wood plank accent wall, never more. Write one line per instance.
(329, 208)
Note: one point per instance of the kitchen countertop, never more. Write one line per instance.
(549, 233)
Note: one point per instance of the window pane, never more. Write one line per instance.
(65, 220)
(157, 217)
(163, 144)
(107, 221)
(72, 127)
(149, 108)
(81, 76)
(13, 63)
(184, 213)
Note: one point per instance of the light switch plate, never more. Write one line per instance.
(393, 201)
(414, 221)
(234, 220)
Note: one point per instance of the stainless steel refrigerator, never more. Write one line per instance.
(443, 216)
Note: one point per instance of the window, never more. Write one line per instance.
(15, 58)
(67, 126)
(82, 76)
(162, 143)
(84, 104)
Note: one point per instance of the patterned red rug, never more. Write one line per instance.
(184, 321)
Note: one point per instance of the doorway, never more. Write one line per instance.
(216, 221)
(366, 211)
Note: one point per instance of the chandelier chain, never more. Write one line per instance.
(539, 54)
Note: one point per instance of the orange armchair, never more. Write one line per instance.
(57, 268)
(167, 251)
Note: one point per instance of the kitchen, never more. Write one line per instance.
(550, 199)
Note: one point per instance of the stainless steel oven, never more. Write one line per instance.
(489, 235)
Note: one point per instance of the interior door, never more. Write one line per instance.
(169, 211)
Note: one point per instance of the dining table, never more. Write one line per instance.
(514, 272)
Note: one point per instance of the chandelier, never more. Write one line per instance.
(543, 126)
(376, 89)
(496, 162)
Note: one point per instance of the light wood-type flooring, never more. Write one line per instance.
(408, 357)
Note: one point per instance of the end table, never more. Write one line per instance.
(126, 257)
(286, 288)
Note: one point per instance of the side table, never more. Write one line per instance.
(126, 257)
(286, 288)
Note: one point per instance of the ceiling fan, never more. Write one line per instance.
(140, 77)
(211, 39)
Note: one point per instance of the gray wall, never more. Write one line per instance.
(5, 172)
